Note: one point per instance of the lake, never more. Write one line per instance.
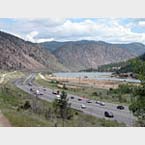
(94, 75)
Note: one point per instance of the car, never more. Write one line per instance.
(41, 93)
(108, 114)
(31, 89)
(89, 101)
(79, 99)
(29, 84)
(56, 93)
(72, 97)
(83, 106)
(37, 92)
(100, 103)
(120, 107)
(44, 89)
(58, 97)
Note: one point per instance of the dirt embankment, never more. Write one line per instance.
(4, 121)
(106, 84)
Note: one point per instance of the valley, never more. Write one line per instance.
(33, 73)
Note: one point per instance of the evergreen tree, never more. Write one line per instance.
(138, 101)
(62, 107)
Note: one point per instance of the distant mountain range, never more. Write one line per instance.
(80, 55)
(15, 54)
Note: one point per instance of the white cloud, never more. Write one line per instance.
(141, 23)
(110, 30)
(31, 35)
(44, 40)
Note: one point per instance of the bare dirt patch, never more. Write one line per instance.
(4, 121)
(106, 84)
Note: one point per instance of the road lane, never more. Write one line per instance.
(122, 116)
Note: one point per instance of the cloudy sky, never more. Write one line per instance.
(114, 30)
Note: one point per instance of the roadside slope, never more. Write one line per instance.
(4, 121)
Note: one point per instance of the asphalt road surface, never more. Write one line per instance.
(122, 116)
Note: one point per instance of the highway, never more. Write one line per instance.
(122, 116)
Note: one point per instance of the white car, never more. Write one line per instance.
(37, 92)
(58, 96)
(83, 106)
(100, 103)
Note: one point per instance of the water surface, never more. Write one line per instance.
(94, 75)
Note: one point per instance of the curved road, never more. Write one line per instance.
(122, 116)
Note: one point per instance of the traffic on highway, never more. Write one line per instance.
(93, 107)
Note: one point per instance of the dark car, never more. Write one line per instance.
(29, 84)
(41, 93)
(56, 93)
(120, 107)
(89, 101)
(79, 99)
(108, 114)
(72, 97)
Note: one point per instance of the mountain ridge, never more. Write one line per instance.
(85, 54)
(17, 53)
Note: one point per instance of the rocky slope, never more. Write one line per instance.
(16, 54)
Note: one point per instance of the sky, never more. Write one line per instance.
(112, 30)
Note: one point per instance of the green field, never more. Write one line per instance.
(10, 75)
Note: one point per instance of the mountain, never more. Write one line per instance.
(16, 54)
(81, 55)
(53, 45)
(136, 48)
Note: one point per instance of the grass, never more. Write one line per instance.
(12, 98)
(91, 93)
(11, 75)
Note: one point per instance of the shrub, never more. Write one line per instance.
(95, 94)
(27, 105)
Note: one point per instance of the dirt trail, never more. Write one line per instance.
(2, 78)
